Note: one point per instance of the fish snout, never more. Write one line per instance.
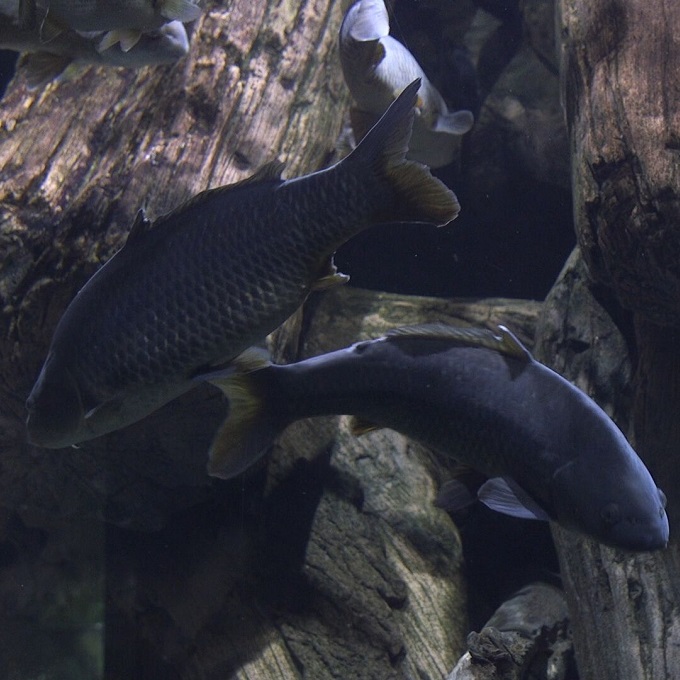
(54, 409)
(644, 532)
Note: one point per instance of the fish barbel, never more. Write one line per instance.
(205, 282)
(550, 452)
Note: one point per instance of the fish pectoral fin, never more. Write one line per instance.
(106, 409)
(453, 495)
(506, 496)
(180, 10)
(329, 277)
(359, 426)
(371, 21)
(455, 123)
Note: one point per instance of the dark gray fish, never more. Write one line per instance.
(215, 276)
(550, 452)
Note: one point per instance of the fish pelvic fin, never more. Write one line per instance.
(417, 195)
(455, 123)
(250, 428)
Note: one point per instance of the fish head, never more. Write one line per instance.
(612, 499)
(55, 409)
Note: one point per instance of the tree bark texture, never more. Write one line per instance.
(623, 607)
(622, 102)
(78, 159)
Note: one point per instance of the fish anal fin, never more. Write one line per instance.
(507, 497)
(359, 426)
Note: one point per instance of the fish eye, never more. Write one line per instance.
(611, 514)
(662, 497)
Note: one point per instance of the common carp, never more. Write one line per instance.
(549, 451)
(202, 284)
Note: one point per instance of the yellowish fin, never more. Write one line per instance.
(359, 426)
(249, 429)
(420, 197)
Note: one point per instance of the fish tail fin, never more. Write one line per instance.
(250, 428)
(418, 196)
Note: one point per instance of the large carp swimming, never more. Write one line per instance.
(202, 284)
(549, 450)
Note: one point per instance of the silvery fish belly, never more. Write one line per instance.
(376, 67)
(200, 285)
(548, 450)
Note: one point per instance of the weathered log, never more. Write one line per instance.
(622, 606)
(527, 637)
(621, 99)
(624, 124)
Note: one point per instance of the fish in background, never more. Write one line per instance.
(548, 450)
(376, 68)
(121, 21)
(43, 62)
(201, 285)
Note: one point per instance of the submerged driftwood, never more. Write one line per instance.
(619, 340)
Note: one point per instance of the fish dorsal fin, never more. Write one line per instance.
(140, 226)
(269, 172)
(465, 336)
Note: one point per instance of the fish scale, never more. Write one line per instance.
(218, 274)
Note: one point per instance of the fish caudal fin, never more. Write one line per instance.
(418, 196)
(249, 429)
